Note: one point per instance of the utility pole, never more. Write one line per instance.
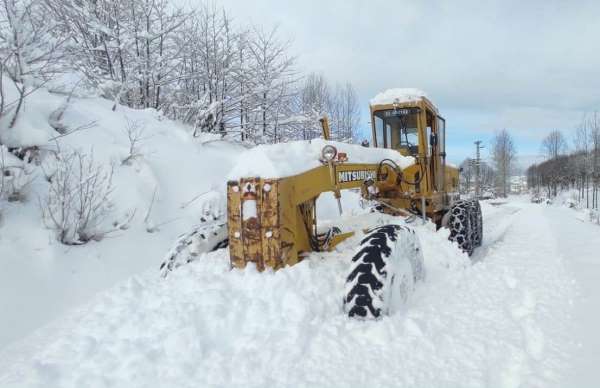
(478, 148)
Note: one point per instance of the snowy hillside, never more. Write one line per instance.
(152, 194)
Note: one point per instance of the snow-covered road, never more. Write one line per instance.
(524, 314)
(579, 244)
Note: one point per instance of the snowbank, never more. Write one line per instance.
(571, 199)
(292, 158)
(41, 278)
(204, 325)
(398, 95)
(32, 126)
(504, 322)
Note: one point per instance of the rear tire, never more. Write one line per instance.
(384, 270)
(476, 223)
(460, 226)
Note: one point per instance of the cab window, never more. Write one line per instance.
(397, 129)
(442, 134)
(379, 140)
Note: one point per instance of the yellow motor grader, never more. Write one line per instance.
(272, 222)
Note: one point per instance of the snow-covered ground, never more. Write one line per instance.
(42, 278)
(525, 314)
(165, 189)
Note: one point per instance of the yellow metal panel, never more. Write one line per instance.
(234, 225)
(335, 240)
(269, 216)
(251, 233)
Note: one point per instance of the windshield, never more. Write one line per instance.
(397, 129)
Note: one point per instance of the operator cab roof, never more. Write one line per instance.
(400, 96)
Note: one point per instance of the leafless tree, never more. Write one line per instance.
(340, 105)
(576, 170)
(466, 175)
(487, 175)
(194, 65)
(554, 144)
(315, 97)
(135, 134)
(29, 51)
(128, 49)
(345, 113)
(503, 154)
(272, 70)
(588, 146)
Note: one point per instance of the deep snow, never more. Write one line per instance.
(167, 188)
(41, 278)
(506, 321)
(398, 95)
(525, 314)
(295, 157)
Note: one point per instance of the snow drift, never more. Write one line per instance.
(398, 95)
(295, 157)
(165, 189)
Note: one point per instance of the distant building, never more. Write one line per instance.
(518, 184)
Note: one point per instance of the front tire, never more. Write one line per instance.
(384, 271)
(459, 223)
(189, 246)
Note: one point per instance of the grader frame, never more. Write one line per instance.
(273, 223)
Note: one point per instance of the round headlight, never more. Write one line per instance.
(328, 153)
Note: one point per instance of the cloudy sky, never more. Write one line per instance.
(528, 66)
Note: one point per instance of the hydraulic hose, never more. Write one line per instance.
(398, 171)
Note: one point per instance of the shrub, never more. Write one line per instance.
(78, 199)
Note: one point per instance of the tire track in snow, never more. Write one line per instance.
(539, 292)
(495, 227)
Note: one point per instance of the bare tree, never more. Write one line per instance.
(587, 160)
(214, 83)
(575, 170)
(130, 49)
(272, 70)
(345, 113)
(466, 175)
(503, 154)
(340, 105)
(29, 51)
(583, 162)
(554, 144)
(314, 99)
(195, 66)
(135, 134)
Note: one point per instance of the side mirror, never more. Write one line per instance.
(433, 139)
(460, 169)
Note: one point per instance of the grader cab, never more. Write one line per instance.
(272, 221)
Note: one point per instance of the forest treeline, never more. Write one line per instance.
(193, 65)
(578, 168)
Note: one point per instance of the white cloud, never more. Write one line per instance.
(529, 65)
